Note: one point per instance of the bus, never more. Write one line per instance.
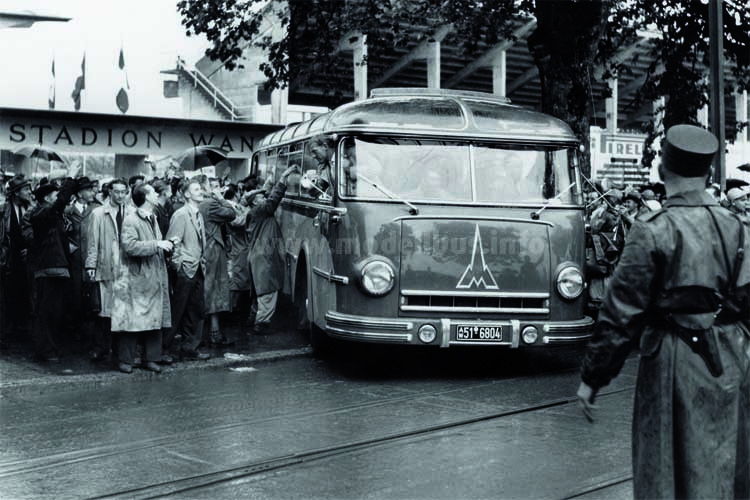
(439, 218)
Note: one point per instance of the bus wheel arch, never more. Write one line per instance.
(302, 297)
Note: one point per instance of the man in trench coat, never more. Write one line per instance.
(140, 306)
(680, 295)
(266, 252)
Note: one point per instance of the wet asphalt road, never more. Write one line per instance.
(381, 423)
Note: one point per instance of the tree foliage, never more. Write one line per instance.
(572, 39)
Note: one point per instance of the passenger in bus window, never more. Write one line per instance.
(349, 166)
(321, 149)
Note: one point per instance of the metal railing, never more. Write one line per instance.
(220, 100)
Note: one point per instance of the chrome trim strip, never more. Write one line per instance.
(516, 333)
(445, 325)
(368, 321)
(475, 218)
(320, 206)
(583, 324)
(508, 310)
(374, 337)
(476, 343)
(562, 340)
(330, 276)
(512, 295)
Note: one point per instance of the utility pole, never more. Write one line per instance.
(716, 105)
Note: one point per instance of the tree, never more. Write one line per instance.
(679, 60)
(572, 39)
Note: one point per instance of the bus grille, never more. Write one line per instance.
(474, 302)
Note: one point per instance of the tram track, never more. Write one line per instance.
(183, 486)
(99, 452)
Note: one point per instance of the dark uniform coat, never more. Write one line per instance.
(691, 430)
(78, 240)
(266, 255)
(216, 213)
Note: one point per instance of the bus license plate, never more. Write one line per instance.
(480, 333)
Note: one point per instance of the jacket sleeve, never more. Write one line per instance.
(622, 317)
(94, 232)
(220, 211)
(132, 244)
(175, 234)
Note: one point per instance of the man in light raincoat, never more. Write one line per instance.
(680, 295)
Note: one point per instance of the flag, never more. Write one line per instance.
(80, 85)
(51, 98)
(122, 95)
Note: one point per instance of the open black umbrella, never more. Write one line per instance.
(39, 153)
(200, 156)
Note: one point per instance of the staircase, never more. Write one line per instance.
(220, 101)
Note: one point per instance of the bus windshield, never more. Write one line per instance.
(459, 172)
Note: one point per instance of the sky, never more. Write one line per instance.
(149, 32)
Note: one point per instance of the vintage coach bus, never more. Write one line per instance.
(446, 218)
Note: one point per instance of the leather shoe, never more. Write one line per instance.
(194, 356)
(166, 359)
(125, 368)
(152, 367)
(262, 329)
(221, 342)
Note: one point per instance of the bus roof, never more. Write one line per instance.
(442, 113)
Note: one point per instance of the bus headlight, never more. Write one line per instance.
(378, 277)
(570, 282)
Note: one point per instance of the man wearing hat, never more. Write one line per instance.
(16, 280)
(738, 201)
(266, 254)
(680, 296)
(49, 266)
(77, 217)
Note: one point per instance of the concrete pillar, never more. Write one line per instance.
(741, 111)
(433, 65)
(279, 103)
(360, 68)
(703, 116)
(611, 104)
(499, 74)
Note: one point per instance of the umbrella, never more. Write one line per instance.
(200, 156)
(39, 153)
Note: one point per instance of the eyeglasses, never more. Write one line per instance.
(119, 191)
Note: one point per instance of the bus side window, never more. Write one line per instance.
(295, 158)
(256, 161)
(266, 166)
(282, 159)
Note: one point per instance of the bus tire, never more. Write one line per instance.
(320, 342)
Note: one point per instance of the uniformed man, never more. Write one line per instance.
(680, 296)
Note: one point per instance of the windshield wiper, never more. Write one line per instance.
(535, 214)
(412, 209)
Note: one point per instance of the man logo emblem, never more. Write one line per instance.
(476, 276)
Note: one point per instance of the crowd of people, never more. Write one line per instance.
(611, 213)
(133, 268)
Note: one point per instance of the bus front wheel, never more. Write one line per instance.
(320, 343)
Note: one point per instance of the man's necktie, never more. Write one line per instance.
(119, 219)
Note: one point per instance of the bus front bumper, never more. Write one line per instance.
(406, 330)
